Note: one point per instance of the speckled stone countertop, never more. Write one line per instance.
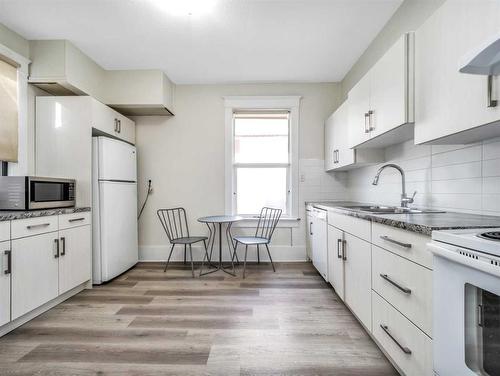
(13, 215)
(423, 223)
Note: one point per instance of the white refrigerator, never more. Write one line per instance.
(114, 204)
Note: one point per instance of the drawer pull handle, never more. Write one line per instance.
(76, 219)
(344, 252)
(63, 243)
(397, 242)
(9, 262)
(404, 349)
(406, 290)
(57, 254)
(31, 227)
(339, 242)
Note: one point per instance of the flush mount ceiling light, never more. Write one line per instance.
(182, 8)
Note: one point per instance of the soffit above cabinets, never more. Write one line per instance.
(59, 68)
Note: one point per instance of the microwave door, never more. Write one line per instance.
(45, 194)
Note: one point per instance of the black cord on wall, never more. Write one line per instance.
(146, 199)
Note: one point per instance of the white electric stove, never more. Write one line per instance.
(466, 306)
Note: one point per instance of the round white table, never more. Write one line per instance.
(212, 223)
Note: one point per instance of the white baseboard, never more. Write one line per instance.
(279, 253)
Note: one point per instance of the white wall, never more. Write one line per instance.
(184, 156)
(464, 178)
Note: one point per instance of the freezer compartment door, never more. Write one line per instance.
(116, 160)
(118, 228)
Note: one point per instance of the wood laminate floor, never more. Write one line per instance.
(148, 322)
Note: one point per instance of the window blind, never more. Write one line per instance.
(8, 113)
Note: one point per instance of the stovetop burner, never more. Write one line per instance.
(492, 235)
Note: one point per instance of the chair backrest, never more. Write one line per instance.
(174, 222)
(268, 220)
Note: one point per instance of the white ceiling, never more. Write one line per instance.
(236, 41)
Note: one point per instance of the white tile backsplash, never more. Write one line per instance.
(462, 178)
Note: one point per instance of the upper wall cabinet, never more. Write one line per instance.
(338, 154)
(381, 103)
(452, 107)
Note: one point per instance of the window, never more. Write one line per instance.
(8, 112)
(261, 154)
(261, 160)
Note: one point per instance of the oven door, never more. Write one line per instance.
(51, 193)
(466, 317)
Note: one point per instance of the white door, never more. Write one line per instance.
(335, 260)
(5, 270)
(118, 227)
(320, 244)
(388, 88)
(345, 155)
(357, 264)
(116, 159)
(75, 257)
(34, 272)
(446, 101)
(359, 105)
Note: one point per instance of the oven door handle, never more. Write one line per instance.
(443, 252)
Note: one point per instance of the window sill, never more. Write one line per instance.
(284, 222)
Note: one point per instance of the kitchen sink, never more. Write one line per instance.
(376, 209)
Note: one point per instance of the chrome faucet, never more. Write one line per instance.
(405, 200)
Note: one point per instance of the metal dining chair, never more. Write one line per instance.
(174, 222)
(268, 219)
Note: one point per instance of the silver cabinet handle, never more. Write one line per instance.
(393, 241)
(491, 102)
(404, 349)
(310, 228)
(406, 290)
(76, 219)
(31, 227)
(370, 123)
(119, 126)
(367, 125)
(116, 125)
(339, 242)
(344, 252)
(63, 243)
(8, 253)
(56, 241)
(338, 155)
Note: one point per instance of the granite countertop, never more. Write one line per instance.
(423, 223)
(22, 214)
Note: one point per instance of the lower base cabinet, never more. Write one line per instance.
(34, 272)
(406, 344)
(357, 274)
(5, 261)
(335, 260)
(74, 260)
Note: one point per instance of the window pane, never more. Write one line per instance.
(258, 187)
(261, 140)
(8, 112)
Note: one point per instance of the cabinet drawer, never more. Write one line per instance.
(33, 226)
(74, 220)
(355, 226)
(405, 243)
(404, 343)
(404, 284)
(4, 231)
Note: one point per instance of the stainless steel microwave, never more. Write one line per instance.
(35, 193)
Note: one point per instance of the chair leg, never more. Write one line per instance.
(234, 253)
(192, 263)
(270, 258)
(245, 263)
(168, 260)
(185, 247)
(258, 254)
(203, 258)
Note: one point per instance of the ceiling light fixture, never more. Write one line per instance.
(182, 8)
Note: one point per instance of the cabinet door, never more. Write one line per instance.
(5, 274)
(359, 105)
(388, 89)
(335, 260)
(75, 259)
(329, 144)
(104, 118)
(446, 101)
(320, 245)
(345, 155)
(126, 129)
(357, 264)
(34, 272)
(309, 236)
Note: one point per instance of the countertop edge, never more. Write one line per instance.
(15, 215)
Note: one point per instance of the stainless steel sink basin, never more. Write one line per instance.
(376, 209)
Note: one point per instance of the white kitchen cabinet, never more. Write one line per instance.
(338, 154)
(319, 240)
(34, 272)
(381, 105)
(112, 123)
(309, 233)
(357, 274)
(74, 260)
(5, 276)
(335, 260)
(448, 102)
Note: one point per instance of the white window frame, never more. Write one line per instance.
(272, 103)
